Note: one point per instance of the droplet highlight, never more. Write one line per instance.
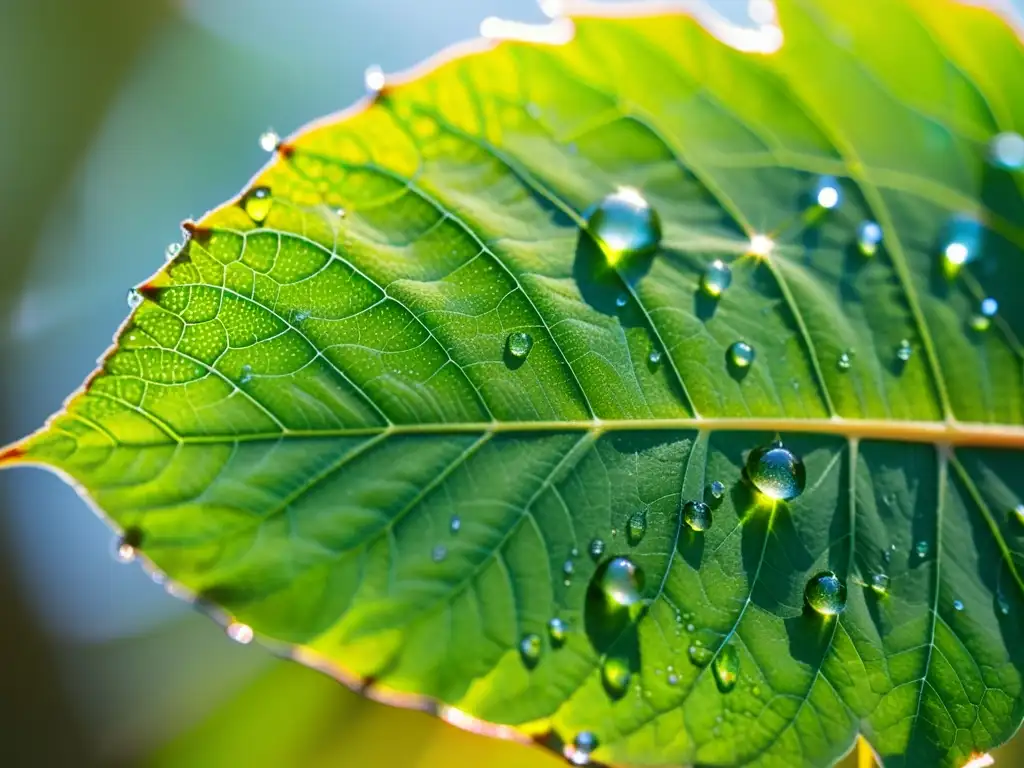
(625, 225)
(558, 631)
(1006, 150)
(239, 632)
(880, 583)
(124, 550)
(455, 524)
(776, 471)
(596, 548)
(529, 649)
(958, 605)
(716, 278)
(697, 515)
(921, 548)
(269, 140)
(844, 362)
(827, 193)
(904, 351)
(869, 237)
(621, 583)
(716, 489)
(519, 344)
(636, 526)
(825, 594)
(741, 355)
(616, 675)
(134, 298)
(726, 668)
(374, 79)
(257, 204)
(654, 358)
(1018, 512)
(582, 747)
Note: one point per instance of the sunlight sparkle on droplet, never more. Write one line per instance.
(828, 196)
(269, 140)
(374, 79)
(760, 246)
(980, 761)
(239, 632)
(956, 253)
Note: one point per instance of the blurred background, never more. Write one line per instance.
(120, 119)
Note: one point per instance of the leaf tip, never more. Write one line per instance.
(11, 455)
(285, 150)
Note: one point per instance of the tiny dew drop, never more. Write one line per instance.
(904, 351)
(958, 605)
(455, 525)
(716, 278)
(616, 675)
(636, 526)
(717, 489)
(257, 204)
(373, 79)
(582, 747)
(982, 319)
(621, 583)
(621, 300)
(697, 515)
(519, 344)
(597, 548)
(869, 237)
(246, 376)
(126, 548)
(239, 632)
(625, 225)
(173, 249)
(880, 583)
(726, 668)
(827, 193)
(1006, 150)
(654, 357)
(776, 471)
(741, 354)
(921, 548)
(844, 362)
(568, 568)
(439, 553)
(1003, 604)
(558, 631)
(826, 594)
(529, 649)
(269, 140)
(134, 298)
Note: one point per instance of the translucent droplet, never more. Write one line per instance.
(625, 225)
(741, 354)
(654, 357)
(596, 548)
(690, 628)
(826, 594)
(257, 204)
(558, 631)
(134, 298)
(869, 237)
(373, 79)
(921, 548)
(439, 553)
(269, 140)
(1006, 150)
(1018, 512)
(246, 376)
(827, 193)
(455, 525)
(776, 471)
(844, 362)
(672, 679)
(697, 515)
(582, 746)
(699, 655)
(621, 300)
(716, 278)
(717, 489)
(574, 552)
(880, 583)
(568, 568)
(621, 582)
(173, 249)
(636, 526)
(989, 307)
(519, 344)
(1003, 604)
(904, 351)
(124, 550)
(726, 668)
(239, 632)
(616, 675)
(530, 648)
(958, 605)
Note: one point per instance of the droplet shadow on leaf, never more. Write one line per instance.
(611, 628)
(602, 285)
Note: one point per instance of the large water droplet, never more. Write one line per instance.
(239, 632)
(880, 583)
(636, 526)
(625, 225)
(726, 668)
(1006, 150)
(269, 140)
(596, 548)
(740, 354)
(716, 489)
(616, 675)
(826, 594)
(582, 746)
(558, 631)
(827, 193)
(776, 471)
(529, 649)
(621, 582)
(716, 278)
(519, 344)
(869, 237)
(134, 298)
(904, 351)
(257, 204)
(697, 515)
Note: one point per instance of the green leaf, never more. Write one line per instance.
(317, 423)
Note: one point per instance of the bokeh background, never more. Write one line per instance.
(120, 119)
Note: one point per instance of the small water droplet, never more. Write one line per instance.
(257, 204)
(904, 351)
(826, 594)
(697, 515)
(596, 548)
(269, 140)
(869, 237)
(844, 362)
(558, 631)
(519, 344)
(574, 552)
(373, 79)
(654, 357)
(880, 583)
(958, 605)
(989, 307)
(173, 249)
(716, 278)
(636, 526)
(1018, 512)
(726, 668)
(134, 298)
(455, 525)
(568, 568)
(776, 471)
(616, 675)
(125, 549)
(621, 300)
(921, 548)
(621, 582)
(827, 193)
(439, 553)
(529, 649)
(699, 656)
(582, 747)
(239, 632)
(740, 354)
(1006, 150)
(625, 225)
(717, 489)
(690, 628)
(246, 376)
(1003, 604)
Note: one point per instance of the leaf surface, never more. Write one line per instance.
(312, 422)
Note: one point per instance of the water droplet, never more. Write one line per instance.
(726, 668)
(826, 594)
(921, 548)
(989, 307)
(1006, 150)
(716, 278)
(439, 553)
(697, 515)
(741, 354)
(1018, 512)
(636, 527)
(583, 745)
(134, 298)
(568, 568)
(621, 300)
(958, 605)
(246, 376)
(621, 582)
(672, 679)
(456, 524)
(574, 552)
(690, 628)
(699, 656)
(982, 319)
(654, 357)
(827, 193)
(869, 237)
(616, 675)
(269, 140)
(904, 351)
(257, 204)
(529, 649)
(625, 225)
(373, 79)
(125, 548)
(844, 362)
(558, 631)
(596, 548)
(173, 249)
(519, 344)
(880, 583)
(1003, 604)
(239, 632)
(776, 471)
(717, 489)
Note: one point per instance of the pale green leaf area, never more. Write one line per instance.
(315, 420)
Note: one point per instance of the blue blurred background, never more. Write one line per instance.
(120, 119)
